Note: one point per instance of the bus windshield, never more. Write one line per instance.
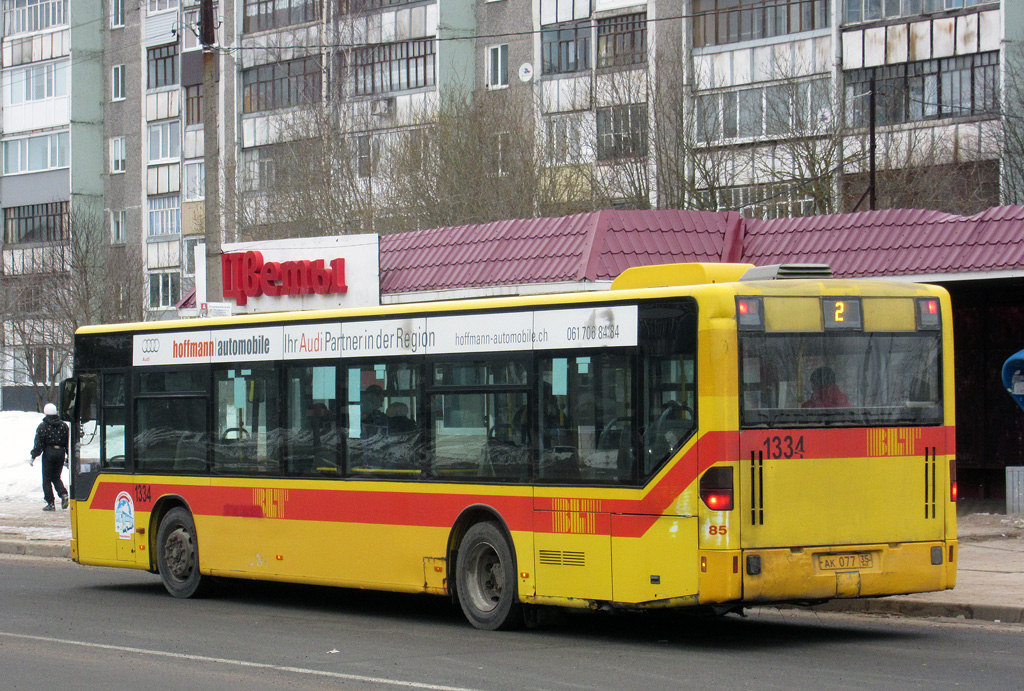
(847, 379)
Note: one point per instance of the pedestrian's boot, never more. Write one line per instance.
(49, 507)
(64, 501)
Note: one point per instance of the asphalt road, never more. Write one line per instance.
(69, 626)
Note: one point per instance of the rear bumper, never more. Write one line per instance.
(812, 573)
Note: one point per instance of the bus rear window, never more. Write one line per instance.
(847, 379)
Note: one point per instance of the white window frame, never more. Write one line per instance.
(497, 66)
(41, 81)
(164, 216)
(117, 227)
(195, 181)
(164, 285)
(165, 141)
(118, 155)
(188, 249)
(20, 153)
(117, 83)
(117, 14)
(158, 6)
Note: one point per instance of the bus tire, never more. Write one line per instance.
(485, 579)
(177, 554)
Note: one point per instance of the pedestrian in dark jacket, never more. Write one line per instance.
(52, 442)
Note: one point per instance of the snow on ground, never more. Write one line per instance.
(21, 485)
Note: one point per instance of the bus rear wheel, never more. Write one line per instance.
(178, 554)
(485, 579)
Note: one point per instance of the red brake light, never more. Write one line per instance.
(716, 488)
(717, 500)
(952, 480)
(744, 307)
(933, 307)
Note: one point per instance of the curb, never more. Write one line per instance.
(57, 550)
(917, 608)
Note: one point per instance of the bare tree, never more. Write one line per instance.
(475, 160)
(56, 287)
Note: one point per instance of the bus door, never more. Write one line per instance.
(99, 418)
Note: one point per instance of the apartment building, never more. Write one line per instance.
(35, 189)
(771, 107)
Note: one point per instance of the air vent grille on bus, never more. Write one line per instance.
(786, 271)
(553, 557)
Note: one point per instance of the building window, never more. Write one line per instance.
(195, 181)
(164, 215)
(36, 223)
(116, 14)
(774, 110)
(162, 5)
(281, 85)
(963, 86)
(366, 155)
(33, 154)
(718, 22)
(622, 40)
(565, 48)
(188, 250)
(194, 105)
(165, 141)
(257, 169)
(762, 201)
(164, 290)
(393, 67)
(497, 66)
(38, 82)
(162, 66)
(117, 83)
(117, 227)
(24, 16)
(35, 363)
(563, 139)
(872, 10)
(118, 155)
(274, 14)
(622, 132)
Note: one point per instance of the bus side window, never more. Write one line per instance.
(586, 431)
(86, 424)
(114, 417)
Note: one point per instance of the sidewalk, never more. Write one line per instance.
(990, 578)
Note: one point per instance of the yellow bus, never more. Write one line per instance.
(698, 435)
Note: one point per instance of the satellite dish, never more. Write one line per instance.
(525, 72)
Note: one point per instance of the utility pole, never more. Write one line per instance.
(211, 152)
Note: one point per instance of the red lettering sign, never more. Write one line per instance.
(246, 275)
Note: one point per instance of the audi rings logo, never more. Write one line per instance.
(150, 345)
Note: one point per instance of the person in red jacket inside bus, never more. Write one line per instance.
(826, 393)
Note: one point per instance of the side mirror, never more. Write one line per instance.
(68, 392)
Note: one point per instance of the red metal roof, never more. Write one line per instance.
(600, 245)
(893, 242)
(584, 247)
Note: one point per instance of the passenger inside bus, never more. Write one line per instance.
(399, 421)
(374, 420)
(827, 393)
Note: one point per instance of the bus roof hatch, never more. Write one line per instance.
(664, 275)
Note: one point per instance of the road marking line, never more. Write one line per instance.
(239, 663)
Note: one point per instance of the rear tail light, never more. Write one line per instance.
(716, 489)
(952, 479)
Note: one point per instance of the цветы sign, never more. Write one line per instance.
(246, 275)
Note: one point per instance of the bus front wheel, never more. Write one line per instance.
(178, 554)
(486, 579)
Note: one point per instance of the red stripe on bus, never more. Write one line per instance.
(422, 505)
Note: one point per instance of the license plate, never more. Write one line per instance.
(845, 562)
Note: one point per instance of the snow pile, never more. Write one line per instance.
(19, 480)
